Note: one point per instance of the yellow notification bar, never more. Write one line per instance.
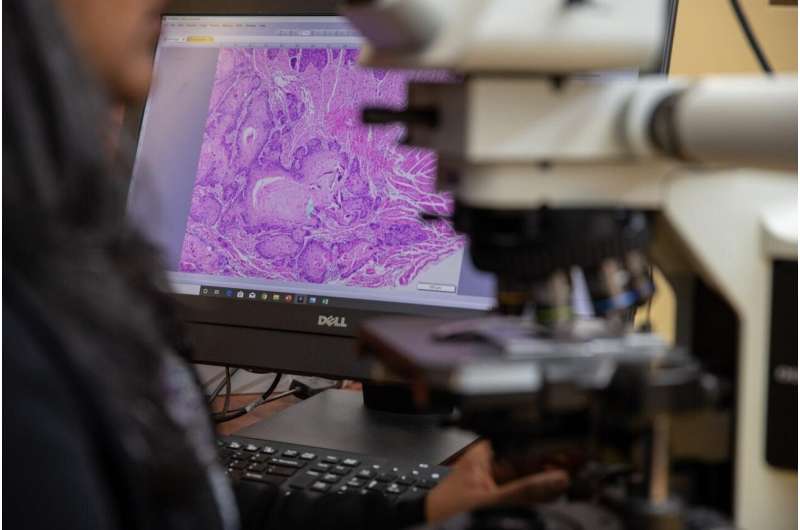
(200, 39)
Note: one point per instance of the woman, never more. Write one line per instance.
(105, 425)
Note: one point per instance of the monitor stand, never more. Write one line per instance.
(347, 420)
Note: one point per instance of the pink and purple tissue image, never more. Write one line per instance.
(291, 186)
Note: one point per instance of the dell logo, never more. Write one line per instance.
(332, 321)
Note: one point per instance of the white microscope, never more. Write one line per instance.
(553, 167)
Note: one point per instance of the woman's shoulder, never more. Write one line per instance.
(27, 364)
(49, 448)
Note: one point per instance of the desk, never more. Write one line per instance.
(339, 423)
(260, 413)
(263, 412)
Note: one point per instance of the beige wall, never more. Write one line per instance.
(708, 39)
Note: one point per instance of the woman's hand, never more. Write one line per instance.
(472, 484)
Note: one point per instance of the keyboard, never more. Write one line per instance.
(318, 471)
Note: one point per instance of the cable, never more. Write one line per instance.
(751, 38)
(272, 386)
(648, 321)
(222, 418)
(227, 415)
(220, 386)
(227, 390)
(216, 392)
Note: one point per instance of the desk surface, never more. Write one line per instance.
(348, 430)
(263, 412)
(260, 413)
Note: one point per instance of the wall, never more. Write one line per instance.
(709, 39)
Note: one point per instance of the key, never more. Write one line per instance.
(365, 473)
(340, 470)
(320, 486)
(387, 477)
(303, 480)
(330, 478)
(280, 471)
(395, 489)
(355, 483)
(405, 480)
(286, 462)
(260, 477)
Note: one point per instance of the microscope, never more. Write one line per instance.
(558, 165)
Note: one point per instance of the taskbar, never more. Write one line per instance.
(289, 298)
(263, 296)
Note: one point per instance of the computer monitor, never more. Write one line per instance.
(284, 220)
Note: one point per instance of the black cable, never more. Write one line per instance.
(216, 392)
(648, 322)
(227, 390)
(751, 38)
(220, 386)
(237, 413)
(227, 415)
(272, 386)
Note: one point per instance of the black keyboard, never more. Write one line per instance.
(294, 467)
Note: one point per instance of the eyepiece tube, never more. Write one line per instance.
(750, 122)
(729, 121)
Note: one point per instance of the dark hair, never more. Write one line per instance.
(67, 243)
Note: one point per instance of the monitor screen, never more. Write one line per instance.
(258, 180)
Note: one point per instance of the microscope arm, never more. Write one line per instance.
(519, 143)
